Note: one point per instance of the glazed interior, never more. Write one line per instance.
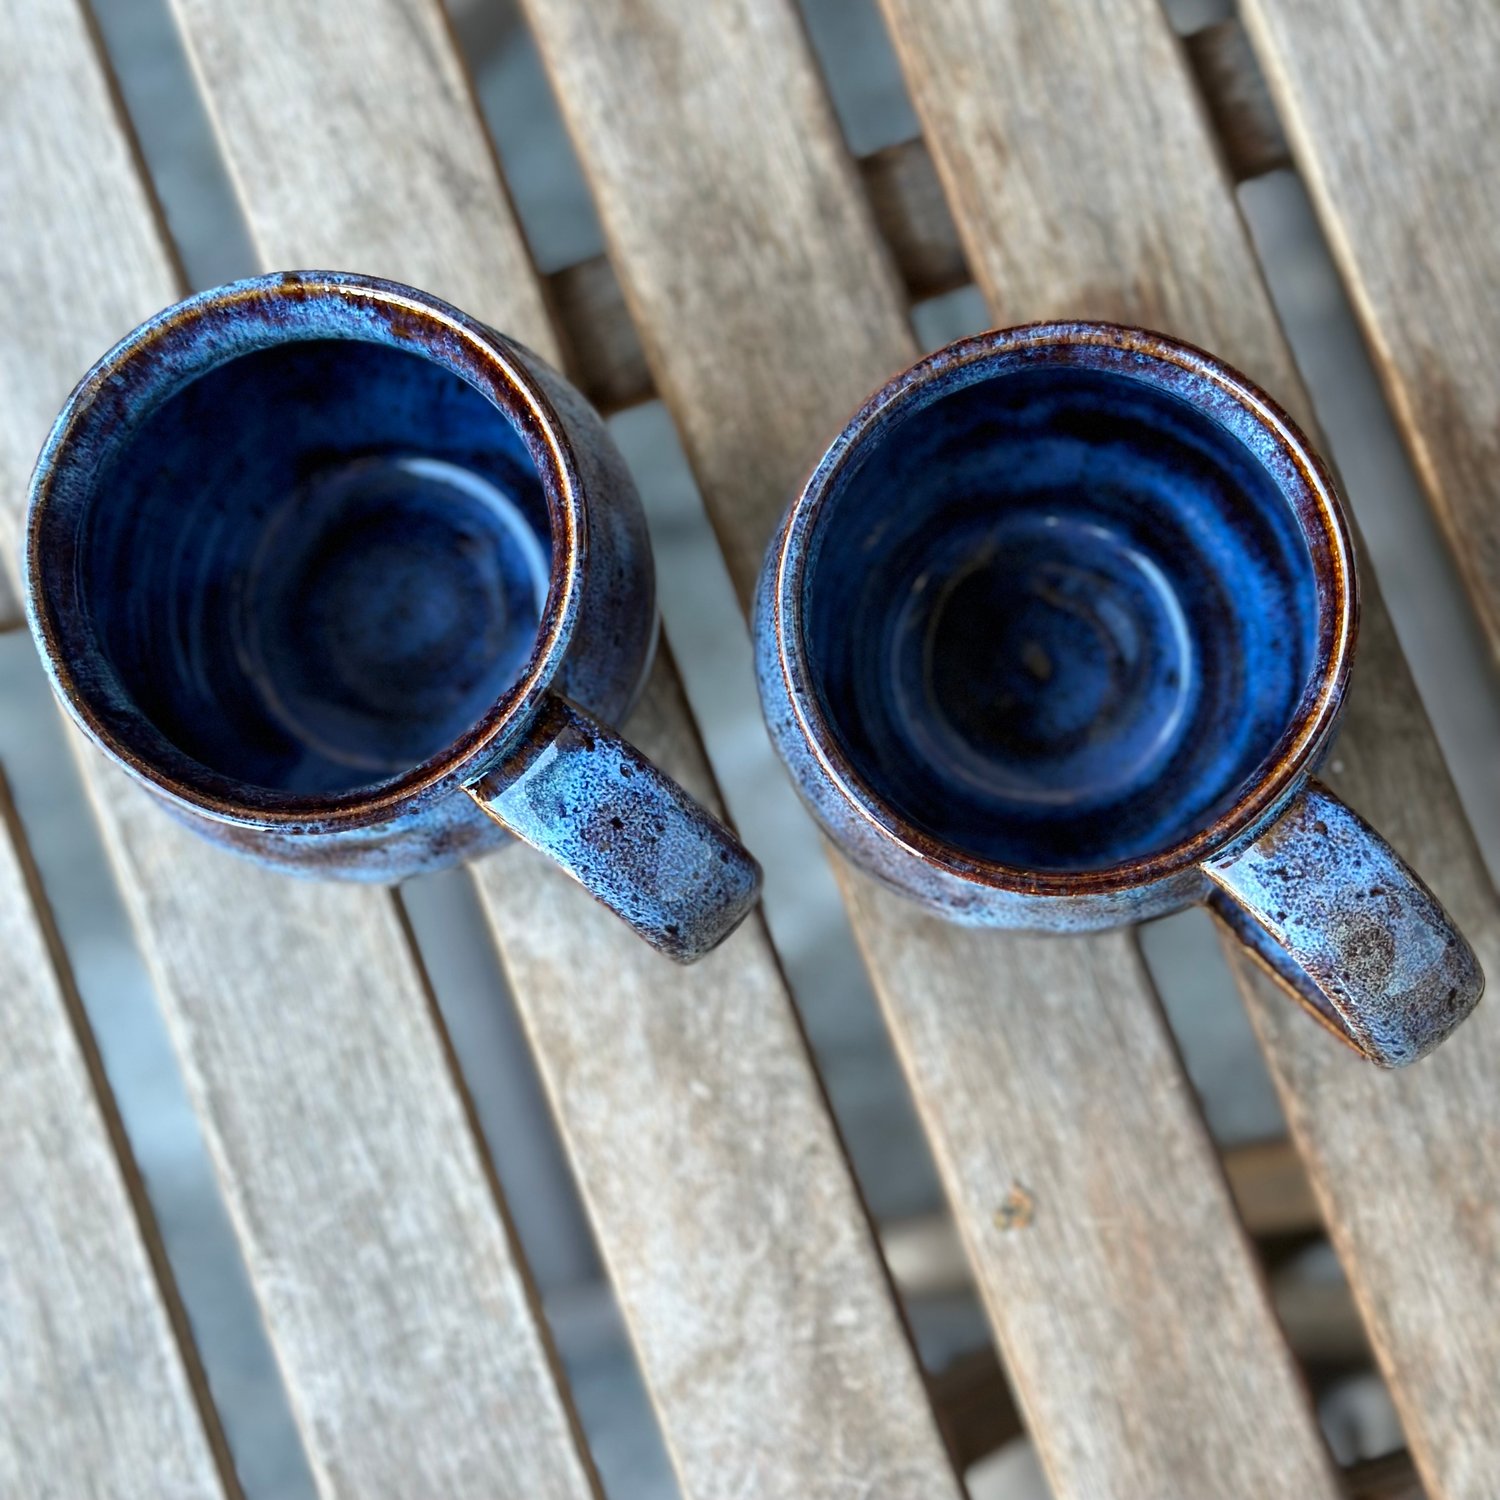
(1059, 618)
(308, 570)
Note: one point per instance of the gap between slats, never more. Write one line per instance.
(435, 253)
(145, 1293)
(593, 295)
(155, 854)
(747, 440)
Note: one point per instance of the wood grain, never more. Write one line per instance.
(604, 349)
(728, 1219)
(1238, 101)
(1137, 222)
(1395, 118)
(402, 1321)
(724, 1208)
(1404, 1164)
(1267, 1179)
(768, 307)
(911, 213)
(95, 1398)
(67, 297)
(391, 1291)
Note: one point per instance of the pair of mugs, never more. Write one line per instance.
(1052, 638)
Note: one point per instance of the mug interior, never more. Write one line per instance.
(307, 563)
(1062, 608)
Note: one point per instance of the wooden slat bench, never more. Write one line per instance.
(759, 281)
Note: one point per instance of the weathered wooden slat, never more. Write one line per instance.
(1395, 119)
(1239, 103)
(733, 1232)
(1136, 221)
(95, 1397)
(11, 617)
(1388, 1478)
(391, 1292)
(57, 320)
(1266, 1178)
(1404, 1164)
(403, 1323)
(745, 1266)
(605, 355)
(604, 350)
(768, 307)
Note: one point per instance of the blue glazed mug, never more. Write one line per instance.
(1054, 637)
(355, 586)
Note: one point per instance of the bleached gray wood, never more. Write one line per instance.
(392, 1292)
(1404, 1164)
(1135, 220)
(392, 1295)
(70, 281)
(95, 1398)
(95, 1395)
(1137, 1331)
(746, 1270)
(1394, 113)
(734, 1235)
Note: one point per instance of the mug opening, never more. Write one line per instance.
(1066, 607)
(304, 547)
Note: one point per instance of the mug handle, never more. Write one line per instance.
(624, 830)
(1335, 914)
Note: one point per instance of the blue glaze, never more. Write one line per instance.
(1343, 922)
(637, 840)
(1061, 623)
(331, 585)
(1058, 617)
(313, 553)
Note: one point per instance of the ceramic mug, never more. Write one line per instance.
(1054, 637)
(355, 585)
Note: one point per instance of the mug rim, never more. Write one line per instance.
(1168, 364)
(179, 345)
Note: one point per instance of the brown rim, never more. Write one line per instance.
(1318, 511)
(404, 318)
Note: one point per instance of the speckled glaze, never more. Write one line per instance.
(1053, 638)
(315, 556)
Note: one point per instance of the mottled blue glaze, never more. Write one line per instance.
(1064, 612)
(312, 553)
(1340, 918)
(1057, 617)
(644, 846)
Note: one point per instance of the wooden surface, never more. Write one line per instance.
(391, 1293)
(402, 1321)
(1405, 1163)
(767, 308)
(1266, 1178)
(724, 1208)
(1137, 222)
(1238, 102)
(911, 213)
(737, 1245)
(78, 1289)
(95, 1399)
(768, 276)
(1395, 116)
(59, 318)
